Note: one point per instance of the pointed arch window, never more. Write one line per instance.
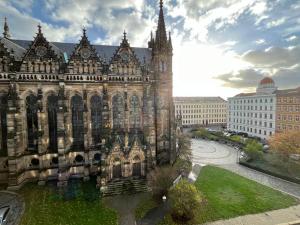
(32, 122)
(134, 112)
(77, 122)
(96, 118)
(3, 126)
(52, 122)
(118, 111)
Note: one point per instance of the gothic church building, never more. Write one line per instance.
(75, 110)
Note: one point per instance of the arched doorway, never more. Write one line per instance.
(136, 167)
(117, 170)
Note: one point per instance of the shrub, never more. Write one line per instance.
(185, 200)
(253, 149)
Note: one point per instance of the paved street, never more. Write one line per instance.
(286, 216)
(209, 152)
(16, 206)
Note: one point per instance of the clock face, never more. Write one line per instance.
(85, 53)
(41, 51)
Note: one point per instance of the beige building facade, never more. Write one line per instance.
(201, 111)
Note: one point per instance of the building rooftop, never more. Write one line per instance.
(198, 99)
(105, 52)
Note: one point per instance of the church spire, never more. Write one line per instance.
(161, 34)
(6, 29)
(124, 43)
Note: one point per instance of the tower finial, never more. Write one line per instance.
(6, 29)
(84, 31)
(39, 28)
(124, 42)
(161, 3)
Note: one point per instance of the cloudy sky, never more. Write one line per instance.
(221, 47)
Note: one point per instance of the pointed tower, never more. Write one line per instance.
(6, 33)
(163, 75)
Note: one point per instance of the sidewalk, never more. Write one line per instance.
(276, 217)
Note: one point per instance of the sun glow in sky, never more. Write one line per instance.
(221, 47)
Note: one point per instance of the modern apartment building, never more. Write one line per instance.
(254, 113)
(204, 111)
(288, 110)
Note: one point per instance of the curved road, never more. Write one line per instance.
(209, 152)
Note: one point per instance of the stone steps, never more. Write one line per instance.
(125, 186)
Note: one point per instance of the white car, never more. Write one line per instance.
(4, 211)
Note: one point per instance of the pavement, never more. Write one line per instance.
(16, 204)
(286, 216)
(125, 206)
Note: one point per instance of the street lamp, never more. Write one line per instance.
(164, 198)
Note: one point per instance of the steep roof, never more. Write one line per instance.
(106, 52)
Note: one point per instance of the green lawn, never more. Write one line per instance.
(229, 195)
(80, 204)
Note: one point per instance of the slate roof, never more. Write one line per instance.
(105, 52)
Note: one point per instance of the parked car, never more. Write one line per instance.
(4, 212)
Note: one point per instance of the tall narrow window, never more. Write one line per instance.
(134, 112)
(52, 122)
(96, 118)
(32, 122)
(3, 126)
(77, 122)
(118, 111)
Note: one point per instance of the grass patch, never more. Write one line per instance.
(144, 206)
(229, 195)
(79, 204)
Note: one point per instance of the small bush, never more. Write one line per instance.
(185, 200)
(253, 149)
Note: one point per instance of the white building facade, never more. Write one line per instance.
(254, 113)
(204, 111)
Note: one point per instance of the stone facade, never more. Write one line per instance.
(288, 110)
(72, 110)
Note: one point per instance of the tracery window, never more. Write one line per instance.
(3, 126)
(52, 122)
(32, 122)
(118, 111)
(134, 112)
(96, 118)
(77, 122)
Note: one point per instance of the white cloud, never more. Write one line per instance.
(260, 41)
(291, 38)
(276, 23)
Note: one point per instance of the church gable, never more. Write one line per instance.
(5, 58)
(40, 57)
(124, 61)
(84, 58)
